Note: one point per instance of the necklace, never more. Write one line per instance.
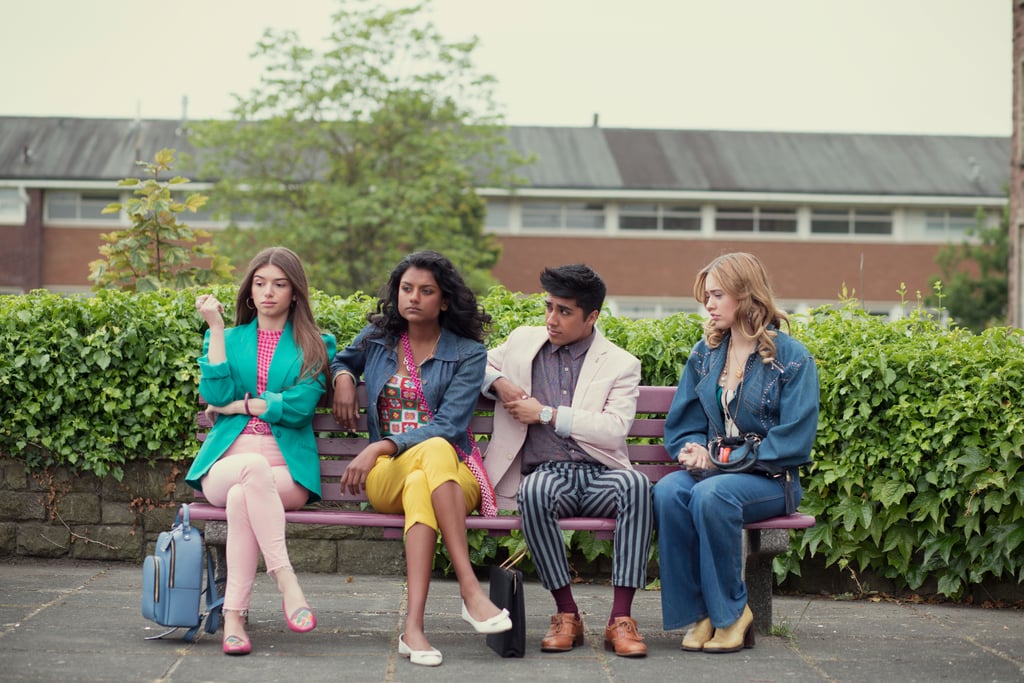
(410, 361)
(738, 372)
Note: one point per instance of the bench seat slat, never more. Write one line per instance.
(337, 446)
(312, 515)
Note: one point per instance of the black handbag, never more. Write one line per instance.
(734, 453)
(506, 591)
(738, 454)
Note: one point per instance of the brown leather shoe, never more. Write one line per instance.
(624, 639)
(566, 632)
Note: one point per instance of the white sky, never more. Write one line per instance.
(888, 66)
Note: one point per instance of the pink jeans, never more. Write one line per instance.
(251, 481)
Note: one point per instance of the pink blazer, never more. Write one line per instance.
(603, 406)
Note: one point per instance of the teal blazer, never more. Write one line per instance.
(290, 403)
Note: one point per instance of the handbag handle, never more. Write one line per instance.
(513, 560)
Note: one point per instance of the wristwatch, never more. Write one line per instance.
(546, 413)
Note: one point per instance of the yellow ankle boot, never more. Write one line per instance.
(733, 638)
(698, 634)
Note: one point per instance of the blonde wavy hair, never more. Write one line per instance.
(742, 276)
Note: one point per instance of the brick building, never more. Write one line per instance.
(646, 208)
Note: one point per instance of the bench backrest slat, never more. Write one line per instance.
(337, 445)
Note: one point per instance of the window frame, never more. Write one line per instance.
(852, 217)
(83, 200)
(756, 215)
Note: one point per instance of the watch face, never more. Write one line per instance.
(545, 415)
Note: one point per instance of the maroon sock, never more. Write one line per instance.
(564, 602)
(622, 602)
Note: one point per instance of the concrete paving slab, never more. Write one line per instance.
(80, 621)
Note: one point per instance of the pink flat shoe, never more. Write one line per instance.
(301, 620)
(233, 645)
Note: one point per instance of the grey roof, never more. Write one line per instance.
(60, 148)
(743, 161)
(606, 159)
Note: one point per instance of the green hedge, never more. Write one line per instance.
(917, 466)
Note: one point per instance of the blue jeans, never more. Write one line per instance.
(700, 542)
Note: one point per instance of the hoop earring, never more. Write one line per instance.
(250, 304)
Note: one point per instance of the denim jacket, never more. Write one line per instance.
(778, 401)
(451, 384)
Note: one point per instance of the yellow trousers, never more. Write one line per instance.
(405, 484)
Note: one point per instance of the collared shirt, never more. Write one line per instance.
(556, 369)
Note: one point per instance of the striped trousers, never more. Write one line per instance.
(584, 489)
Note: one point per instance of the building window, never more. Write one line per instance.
(80, 206)
(661, 217)
(560, 216)
(872, 222)
(639, 309)
(497, 214)
(12, 209)
(756, 219)
(851, 222)
(950, 225)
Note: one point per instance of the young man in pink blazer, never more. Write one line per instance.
(565, 400)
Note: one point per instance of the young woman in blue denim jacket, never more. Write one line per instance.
(427, 324)
(745, 376)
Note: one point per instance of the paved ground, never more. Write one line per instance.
(66, 621)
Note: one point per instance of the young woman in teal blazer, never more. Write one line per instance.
(262, 380)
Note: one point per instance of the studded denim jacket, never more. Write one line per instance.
(777, 400)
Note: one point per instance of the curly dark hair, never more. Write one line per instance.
(463, 315)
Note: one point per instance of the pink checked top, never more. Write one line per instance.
(265, 345)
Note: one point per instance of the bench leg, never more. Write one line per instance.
(215, 535)
(760, 548)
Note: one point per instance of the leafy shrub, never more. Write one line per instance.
(917, 469)
(90, 383)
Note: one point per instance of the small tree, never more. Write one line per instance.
(975, 275)
(158, 250)
(355, 155)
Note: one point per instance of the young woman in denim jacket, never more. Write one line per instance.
(427, 323)
(745, 376)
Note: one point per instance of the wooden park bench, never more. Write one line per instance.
(762, 540)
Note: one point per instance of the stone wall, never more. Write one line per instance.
(99, 518)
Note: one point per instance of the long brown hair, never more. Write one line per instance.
(743, 277)
(300, 313)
